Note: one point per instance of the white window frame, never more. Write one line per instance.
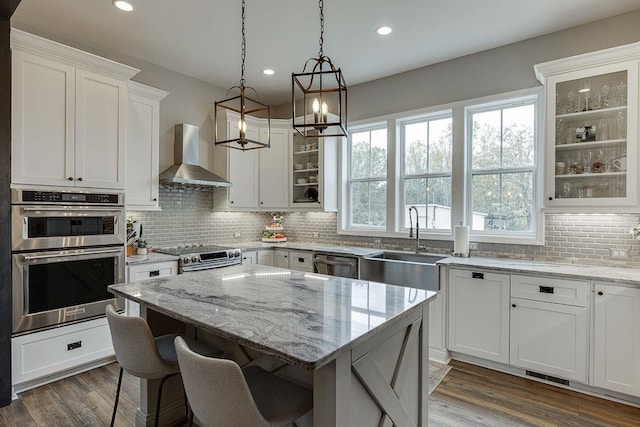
(402, 176)
(536, 236)
(346, 208)
(460, 184)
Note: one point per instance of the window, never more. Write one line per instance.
(501, 138)
(426, 145)
(367, 177)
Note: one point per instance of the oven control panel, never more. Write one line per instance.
(67, 197)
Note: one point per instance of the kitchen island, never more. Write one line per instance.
(363, 344)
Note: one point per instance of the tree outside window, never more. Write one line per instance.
(502, 145)
(368, 177)
(427, 145)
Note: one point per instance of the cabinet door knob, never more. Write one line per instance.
(80, 179)
(513, 305)
(232, 202)
(550, 198)
(262, 203)
(600, 293)
(70, 178)
(155, 199)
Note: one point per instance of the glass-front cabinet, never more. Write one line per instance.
(591, 138)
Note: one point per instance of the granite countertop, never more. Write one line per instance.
(308, 246)
(150, 258)
(620, 275)
(301, 318)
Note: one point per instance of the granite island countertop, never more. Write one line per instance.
(301, 318)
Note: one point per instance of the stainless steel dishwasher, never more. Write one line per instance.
(333, 265)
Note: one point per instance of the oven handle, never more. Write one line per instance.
(97, 252)
(74, 209)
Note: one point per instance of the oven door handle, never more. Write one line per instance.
(71, 209)
(60, 255)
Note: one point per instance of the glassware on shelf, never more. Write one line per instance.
(571, 102)
(620, 95)
(603, 97)
(586, 93)
(560, 132)
(620, 125)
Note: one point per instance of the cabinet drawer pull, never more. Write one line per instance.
(477, 275)
(74, 345)
(600, 293)
(154, 273)
(513, 305)
(546, 289)
(80, 179)
(300, 260)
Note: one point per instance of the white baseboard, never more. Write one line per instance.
(439, 355)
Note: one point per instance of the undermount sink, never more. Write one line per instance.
(403, 269)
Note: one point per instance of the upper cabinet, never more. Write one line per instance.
(259, 177)
(143, 128)
(591, 137)
(68, 115)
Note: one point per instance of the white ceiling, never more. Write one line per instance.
(201, 38)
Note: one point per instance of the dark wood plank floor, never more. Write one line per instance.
(468, 396)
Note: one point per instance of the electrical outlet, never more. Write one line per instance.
(377, 241)
(618, 253)
(316, 234)
(236, 235)
(473, 246)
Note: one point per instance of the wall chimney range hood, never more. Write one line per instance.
(186, 171)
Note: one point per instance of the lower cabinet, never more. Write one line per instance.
(281, 258)
(479, 314)
(144, 271)
(616, 339)
(549, 330)
(249, 257)
(46, 356)
(301, 261)
(266, 258)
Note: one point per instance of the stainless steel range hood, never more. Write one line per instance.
(186, 170)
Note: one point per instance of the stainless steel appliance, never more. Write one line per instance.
(333, 265)
(203, 257)
(67, 248)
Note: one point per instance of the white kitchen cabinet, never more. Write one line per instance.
(258, 177)
(549, 326)
(591, 131)
(301, 261)
(266, 257)
(143, 139)
(478, 313)
(314, 173)
(42, 357)
(616, 339)
(249, 257)
(274, 166)
(281, 258)
(68, 115)
(145, 271)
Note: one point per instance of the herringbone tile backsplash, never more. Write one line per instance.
(186, 218)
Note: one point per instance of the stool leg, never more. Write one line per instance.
(115, 404)
(160, 398)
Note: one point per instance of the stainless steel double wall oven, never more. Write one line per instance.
(67, 248)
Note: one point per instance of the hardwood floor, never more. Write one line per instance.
(467, 396)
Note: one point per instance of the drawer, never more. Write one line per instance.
(302, 261)
(44, 353)
(549, 289)
(152, 270)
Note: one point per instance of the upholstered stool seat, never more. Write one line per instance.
(222, 394)
(146, 357)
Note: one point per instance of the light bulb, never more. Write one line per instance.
(242, 127)
(325, 111)
(315, 105)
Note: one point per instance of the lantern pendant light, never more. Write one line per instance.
(322, 93)
(242, 107)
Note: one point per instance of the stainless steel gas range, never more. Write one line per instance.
(203, 257)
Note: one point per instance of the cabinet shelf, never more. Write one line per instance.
(306, 184)
(305, 170)
(592, 114)
(593, 144)
(591, 175)
(306, 152)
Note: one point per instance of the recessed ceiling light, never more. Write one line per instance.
(383, 30)
(123, 5)
(268, 72)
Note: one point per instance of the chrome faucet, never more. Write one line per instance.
(419, 247)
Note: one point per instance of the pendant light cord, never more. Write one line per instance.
(244, 47)
(321, 5)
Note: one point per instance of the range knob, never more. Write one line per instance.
(186, 260)
(237, 253)
(194, 259)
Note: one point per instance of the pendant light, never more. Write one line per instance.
(243, 107)
(322, 91)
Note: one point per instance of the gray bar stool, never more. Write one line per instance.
(146, 357)
(222, 394)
